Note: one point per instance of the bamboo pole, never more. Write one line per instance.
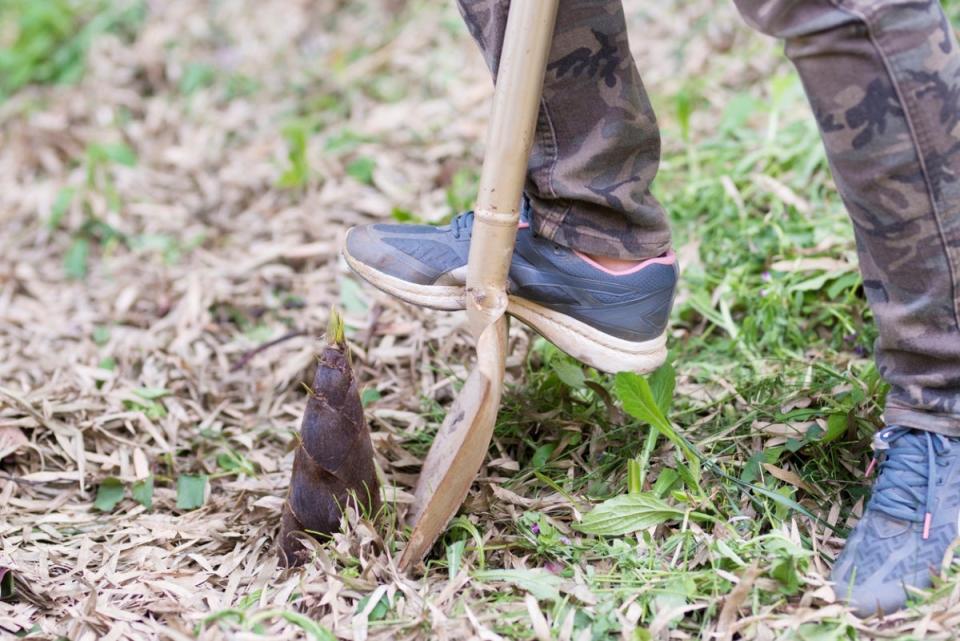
(462, 441)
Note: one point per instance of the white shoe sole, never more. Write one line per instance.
(586, 344)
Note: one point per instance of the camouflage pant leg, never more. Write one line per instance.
(883, 78)
(597, 146)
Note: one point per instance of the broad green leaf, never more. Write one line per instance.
(121, 154)
(665, 482)
(362, 169)
(345, 140)
(402, 215)
(542, 454)
(751, 469)
(568, 372)
(836, 427)
(191, 491)
(196, 76)
(638, 401)
(101, 335)
(627, 513)
(235, 463)
(823, 632)
(541, 584)
(785, 571)
(109, 494)
(117, 153)
(151, 393)
(379, 611)
(143, 492)
(369, 395)
(352, 298)
(60, 206)
(152, 409)
(663, 382)
(675, 593)
(75, 261)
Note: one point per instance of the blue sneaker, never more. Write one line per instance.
(612, 320)
(911, 519)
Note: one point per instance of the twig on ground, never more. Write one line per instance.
(249, 355)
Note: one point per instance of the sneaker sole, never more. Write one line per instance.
(597, 349)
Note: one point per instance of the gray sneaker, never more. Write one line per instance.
(614, 321)
(909, 522)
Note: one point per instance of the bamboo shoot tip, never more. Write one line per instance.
(335, 333)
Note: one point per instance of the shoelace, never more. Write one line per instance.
(462, 223)
(906, 487)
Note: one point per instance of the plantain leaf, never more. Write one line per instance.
(627, 513)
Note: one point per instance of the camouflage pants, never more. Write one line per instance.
(883, 78)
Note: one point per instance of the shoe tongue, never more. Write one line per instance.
(525, 211)
(903, 445)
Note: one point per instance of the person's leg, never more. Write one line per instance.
(591, 271)
(883, 78)
(597, 147)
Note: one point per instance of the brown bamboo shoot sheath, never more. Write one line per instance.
(333, 464)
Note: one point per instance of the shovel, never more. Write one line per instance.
(462, 441)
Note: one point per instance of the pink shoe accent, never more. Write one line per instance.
(523, 224)
(669, 258)
(873, 464)
(927, 520)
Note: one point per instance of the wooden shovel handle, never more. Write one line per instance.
(461, 444)
(516, 102)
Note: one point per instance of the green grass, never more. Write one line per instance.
(751, 344)
(46, 42)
